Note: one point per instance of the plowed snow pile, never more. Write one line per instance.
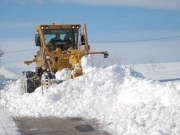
(120, 99)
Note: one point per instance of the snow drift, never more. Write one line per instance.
(121, 100)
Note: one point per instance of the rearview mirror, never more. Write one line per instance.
(82, 40)
(37, 40)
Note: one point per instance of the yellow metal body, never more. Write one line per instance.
(59, 58)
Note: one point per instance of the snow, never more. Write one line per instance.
(121, 100)
(159, 71)
(7, 125)
(7, 74)
(63, 74)
(6, 77)
(86, 63)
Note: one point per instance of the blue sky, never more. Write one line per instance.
(116, 26)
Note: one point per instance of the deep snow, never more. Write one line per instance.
(121, 100)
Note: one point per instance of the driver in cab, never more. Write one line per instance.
(55, 39)
(52, 45)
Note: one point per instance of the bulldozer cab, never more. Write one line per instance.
(58, 36)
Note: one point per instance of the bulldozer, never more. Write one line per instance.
(60, 46)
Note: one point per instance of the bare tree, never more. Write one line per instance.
(1, 52)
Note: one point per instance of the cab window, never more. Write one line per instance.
(61, 38)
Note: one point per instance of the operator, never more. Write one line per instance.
(56, 38)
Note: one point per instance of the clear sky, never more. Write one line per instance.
(133, 30)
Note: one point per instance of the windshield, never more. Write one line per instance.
(63, 35)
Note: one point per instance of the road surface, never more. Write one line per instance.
(57, 126)
(46, 125)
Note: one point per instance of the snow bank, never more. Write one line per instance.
(121, 100)
(64, 74)
(7, 125)
(86, 63)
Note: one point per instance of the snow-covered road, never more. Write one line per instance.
(7, 125)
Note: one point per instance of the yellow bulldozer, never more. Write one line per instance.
(60, 46)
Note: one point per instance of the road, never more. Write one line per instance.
(46, 125)
(57, 126)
